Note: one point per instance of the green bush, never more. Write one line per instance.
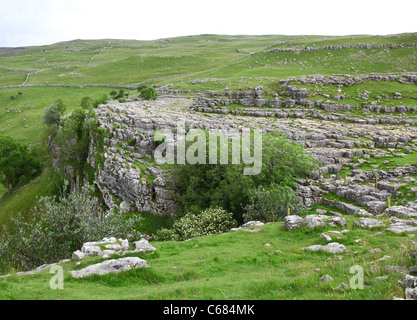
(210, 221)
(272, 204)
(104, 99)
(17, 163)
(148, 94)
(58, 227)
(51, 115)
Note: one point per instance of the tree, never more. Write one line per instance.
(16, 163)
(148, 94)
(200, 186)
(54, 112)
(86, 103)
(51, 115)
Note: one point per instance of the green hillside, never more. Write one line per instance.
(269, 264)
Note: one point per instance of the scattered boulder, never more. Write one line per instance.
(342, 287)
(401, 227)
(110, 266)
(314, 221)
(337, 221)
(78, 255)
(400, 211)
(253, 224)
(409, 281)
(368, 223)
(144, 246)
(293, 222)
(333, 247)
(396, 269)
(326, 278)
(326, 237)
(411, 294)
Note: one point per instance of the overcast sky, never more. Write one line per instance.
(38, 22)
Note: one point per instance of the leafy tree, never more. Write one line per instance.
(200, 186)
(54, 112)
(73, 140)
(148, 94)
(16, 163)
(51, 115)
(62, 107)
(86, 103)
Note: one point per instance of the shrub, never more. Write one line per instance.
(102, 100)
(148, 94)
(272, 204)
(210, 221)
(86, 103)
(51, 115)
(57, 228)
(17, 163)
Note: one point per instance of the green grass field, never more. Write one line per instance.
(236, 266)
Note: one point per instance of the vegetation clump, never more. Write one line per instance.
(17, 163)
(209, 221)
(148, 94)
(59, 226)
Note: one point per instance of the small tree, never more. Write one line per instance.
(86, 103)
(148, 94)
(16, 163)
(51, 115)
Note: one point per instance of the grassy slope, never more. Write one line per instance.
(199, 57)
(235, 266)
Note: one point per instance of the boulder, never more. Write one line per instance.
(253, 224)
(400, 211)
(376, 206)
(326, 278)
(314, 221)
(293, 222)
(368, 223)
(338, 221)
(347, 207)
(333, 247)
(78, 255)
(110, 266)
(144, 246)
(401, 227)
(409, 281)
(411, 294)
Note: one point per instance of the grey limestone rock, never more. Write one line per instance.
(368, 223)
(143, 245)
(293, 222)
(333, 247)
(314, 221)
(110, 266)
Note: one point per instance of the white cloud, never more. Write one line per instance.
(36, 22)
